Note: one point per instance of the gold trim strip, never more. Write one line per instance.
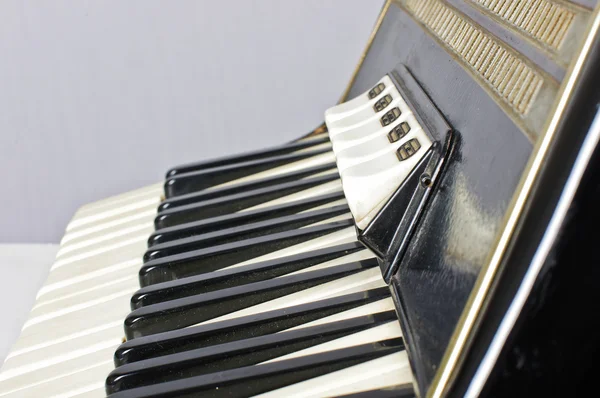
(471, 316)
(382, 14)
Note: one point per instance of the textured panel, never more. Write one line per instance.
(504, 72)
(544, 21)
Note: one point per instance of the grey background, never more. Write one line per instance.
(100, 97)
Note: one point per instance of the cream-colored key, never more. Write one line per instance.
(362, 101)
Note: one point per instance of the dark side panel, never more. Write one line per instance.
(466, 210)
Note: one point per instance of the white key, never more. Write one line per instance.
(376, 146)
(87, 379)
(118, 200)
(363, 122)
(139, 228)
(67, 308)
(364, 280)
(355, 105)
(66, 345)
(357, 137)
(389, 330)
(371, 167)
(115, 213)
(97, 230)
(346, 235)
(388, 371)
(74, 253)
(380, 177)
(386, 304)
(313, 161)
(323, 189)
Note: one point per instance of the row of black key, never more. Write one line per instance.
(185, 281)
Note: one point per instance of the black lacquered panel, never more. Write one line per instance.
(467, 206)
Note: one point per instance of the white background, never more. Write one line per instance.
(100, 97)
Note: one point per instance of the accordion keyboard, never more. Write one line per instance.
(393, 251)
(243, 276)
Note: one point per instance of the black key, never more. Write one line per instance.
(233, 203)
(211, 259)
(238, 276)
(230, 220)
(242, 187)
(398, 391)
(256, 379)
(241, 328)
(245, 157)
(186, 183)
(180, 313)
(237, 354)
(242, 232)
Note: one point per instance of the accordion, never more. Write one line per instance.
(435, 236)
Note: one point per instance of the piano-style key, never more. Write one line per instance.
(389, 376)
(213, 224)
(216, 358)
(241, 232)
(210, 259)
(249, 156)
(179, 313)
(232, 189)
(237, 202)
(186, 183)
(237, 276)
(119, 231)
(320, 311)
(257, 379)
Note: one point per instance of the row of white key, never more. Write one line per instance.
(370, 167)
(76, 323)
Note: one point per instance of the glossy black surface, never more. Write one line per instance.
(179, 313)
(242, 187)
(460, 222)
(238, 276)
(241, 328)
(247, 156)
(232, 203)
(186, 183)
(392, 229)
(236, 354)
(237, 219)
(242, 232)
(248, 381)
(402, 391)
(211, 259)
(552, 349)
